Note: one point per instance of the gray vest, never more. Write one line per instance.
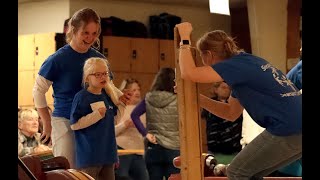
(162, 118)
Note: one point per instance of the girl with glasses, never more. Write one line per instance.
(92, 117)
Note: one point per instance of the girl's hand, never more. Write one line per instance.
(125, 98)
(151, 138)
(102, 111)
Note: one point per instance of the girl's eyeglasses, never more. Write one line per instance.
(100, 74)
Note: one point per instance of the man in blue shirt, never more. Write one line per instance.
(295, 76)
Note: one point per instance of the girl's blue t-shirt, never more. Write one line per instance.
(272, 100)
(96, 144)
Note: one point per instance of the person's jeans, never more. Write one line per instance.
(263, 155)
(132, 167)
(159, 161)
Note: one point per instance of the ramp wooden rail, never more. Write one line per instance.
(49, 153)
(189, 124)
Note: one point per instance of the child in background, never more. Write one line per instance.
(132, 166)
(92, 119)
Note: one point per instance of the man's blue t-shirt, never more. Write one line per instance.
(272, 100)
(65, 68)
(295, 75)
(95, 145)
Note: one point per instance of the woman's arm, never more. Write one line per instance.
(40, 88)
(135, 116)
(229, 111)
(189, 71)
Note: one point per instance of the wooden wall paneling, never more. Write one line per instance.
(166, 53)
(118, 52)
(45, 45)
(25, 85)
(145, 55)
(33, 49)
(26, 52)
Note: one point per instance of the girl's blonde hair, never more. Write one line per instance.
(219, 42)
(27, 113)
(89, 67)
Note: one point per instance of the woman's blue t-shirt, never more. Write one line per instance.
(272, 100)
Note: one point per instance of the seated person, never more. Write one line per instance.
(28, 136)
(223, 137)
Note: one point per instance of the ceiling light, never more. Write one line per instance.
(219, 7)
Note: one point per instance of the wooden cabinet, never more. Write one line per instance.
(139, 58)
(166, 53)
(33, 49)
(25, 85)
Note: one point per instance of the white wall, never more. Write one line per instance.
(42, 17)
(49, 16)
(200, 17)
(268, 30)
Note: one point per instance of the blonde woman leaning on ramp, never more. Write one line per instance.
(256, 85)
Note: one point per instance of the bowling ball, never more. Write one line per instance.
(177, 162)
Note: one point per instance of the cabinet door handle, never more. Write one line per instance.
(37, 51)
(162, 56)
(134, 54)
(105, 52)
